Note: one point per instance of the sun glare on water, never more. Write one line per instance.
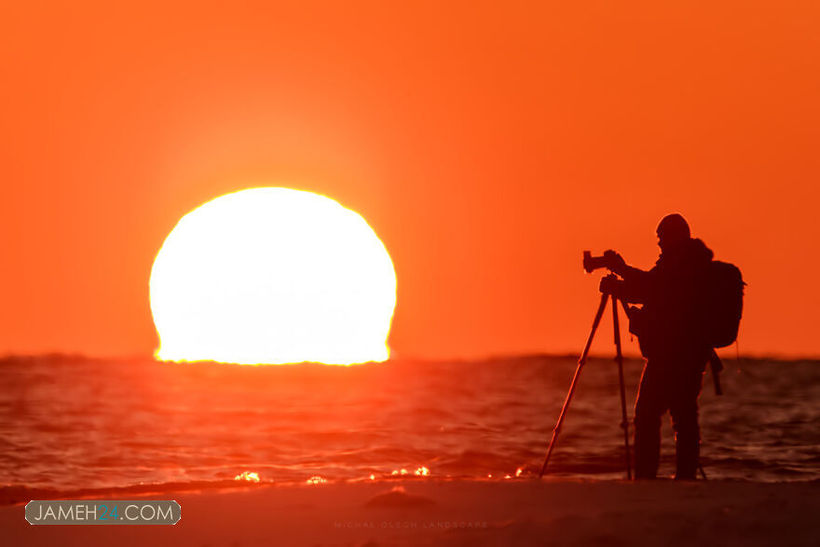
(273, 275)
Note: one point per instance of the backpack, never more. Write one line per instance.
(723, 303)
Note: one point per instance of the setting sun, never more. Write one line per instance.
(273, 275)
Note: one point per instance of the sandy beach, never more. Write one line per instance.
(433, 512)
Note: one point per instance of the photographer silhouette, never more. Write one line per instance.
(670, 331)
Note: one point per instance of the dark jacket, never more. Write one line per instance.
(670, 324)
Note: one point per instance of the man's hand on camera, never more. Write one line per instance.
(614, 261)
(610, 284)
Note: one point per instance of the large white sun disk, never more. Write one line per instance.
(273, 275)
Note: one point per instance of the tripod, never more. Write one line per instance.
(619, 359)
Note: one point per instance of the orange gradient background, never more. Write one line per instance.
(487, 146)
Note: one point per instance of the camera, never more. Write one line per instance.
(592, 263)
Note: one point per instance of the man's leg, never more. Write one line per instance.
(649, 407)
(684, 411)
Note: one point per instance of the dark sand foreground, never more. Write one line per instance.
(430, 512)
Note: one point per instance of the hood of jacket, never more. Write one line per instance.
(693, 252)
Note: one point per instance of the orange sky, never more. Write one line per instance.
(487, 146)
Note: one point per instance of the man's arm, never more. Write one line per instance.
(634, 286)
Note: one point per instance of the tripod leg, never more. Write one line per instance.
(581, 361)
(620, 360)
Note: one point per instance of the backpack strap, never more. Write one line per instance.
(717, 365)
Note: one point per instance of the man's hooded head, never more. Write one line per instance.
(672, 232)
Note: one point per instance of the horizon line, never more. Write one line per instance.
(73, 355)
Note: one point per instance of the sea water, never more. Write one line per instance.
(77, 424)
